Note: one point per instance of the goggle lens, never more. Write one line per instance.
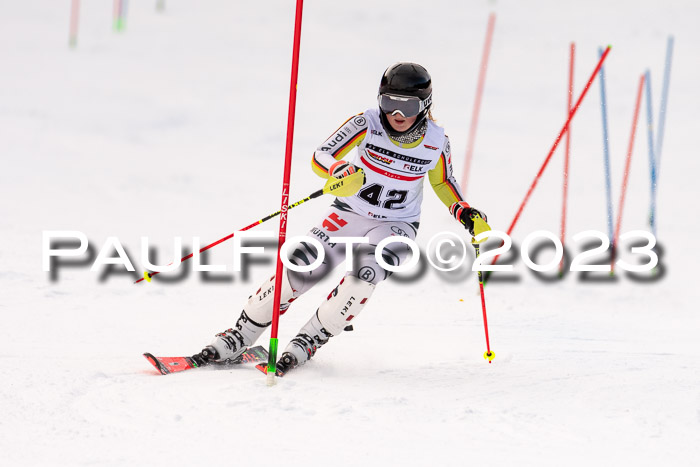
(407, 106)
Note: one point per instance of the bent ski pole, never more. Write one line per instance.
(480, 226)
(341, 187)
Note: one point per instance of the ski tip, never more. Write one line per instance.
(263, 367)
(154, 361)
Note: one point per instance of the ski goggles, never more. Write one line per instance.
(406, 106)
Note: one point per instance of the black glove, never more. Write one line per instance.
(464, 214)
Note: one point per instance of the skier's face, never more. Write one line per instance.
(400, 123)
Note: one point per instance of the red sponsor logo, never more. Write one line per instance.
(380, 158)
(379, 170)
(333, 223)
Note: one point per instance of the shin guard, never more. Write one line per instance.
(259, 306)
(342, 305)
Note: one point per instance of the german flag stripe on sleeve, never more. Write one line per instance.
(443, 165)
(453, 189)
(341, 151)
(339, 143)
(318, 165)
(446, 179)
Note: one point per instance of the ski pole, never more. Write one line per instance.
(346, 186)
(481, 226)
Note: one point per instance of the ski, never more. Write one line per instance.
(285, 364)
(167, 365)
(263, 367)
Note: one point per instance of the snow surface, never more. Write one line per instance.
(176, 127)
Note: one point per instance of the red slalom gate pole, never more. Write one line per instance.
(625, 178)
(73, 34)
(554, 146)
(272, 361)
(477, 100)
(566, 156)
(116, 7)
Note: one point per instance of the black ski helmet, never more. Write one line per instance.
(408, 80)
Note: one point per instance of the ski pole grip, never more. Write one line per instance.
(480, 226)
(346, 186)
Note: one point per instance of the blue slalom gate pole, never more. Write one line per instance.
(652, 159)
(664, 103)
(606, 146)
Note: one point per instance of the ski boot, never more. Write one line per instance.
(228, 346)
(207, 356)
(286, 363)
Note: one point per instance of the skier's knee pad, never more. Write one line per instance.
(344, 303)
(260, 304)
(303, 255)
(368, 269)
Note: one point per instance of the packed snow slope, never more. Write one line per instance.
(176, 127)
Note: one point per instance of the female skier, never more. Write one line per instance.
(398, 145)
